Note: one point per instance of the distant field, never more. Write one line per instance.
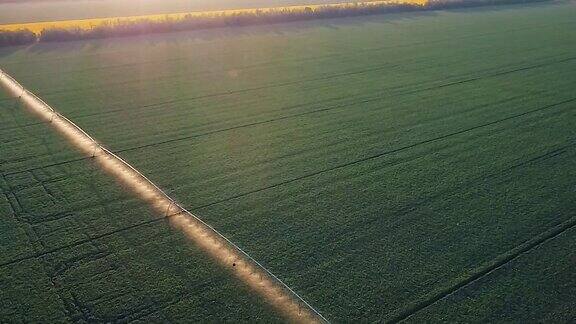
(37, 27)
(52, 10)
(408, 164)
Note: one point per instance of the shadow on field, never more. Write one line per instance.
(212, 34)
(8, 51)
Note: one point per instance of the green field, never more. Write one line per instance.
(507, 295)
(69, 250)
(409, 164)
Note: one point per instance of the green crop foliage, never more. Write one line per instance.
(379, 166)
(76, 248)
(538, 286)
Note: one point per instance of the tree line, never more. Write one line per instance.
(17, 37)
(118, 28)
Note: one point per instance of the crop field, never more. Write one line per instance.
(415, 166)
(70, 251)
(491, 297)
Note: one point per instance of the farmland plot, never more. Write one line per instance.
(74, 247)
(489, 299)
(374, 164)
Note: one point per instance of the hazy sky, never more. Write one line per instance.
(48, 10)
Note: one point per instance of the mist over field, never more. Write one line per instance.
(46, 10)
